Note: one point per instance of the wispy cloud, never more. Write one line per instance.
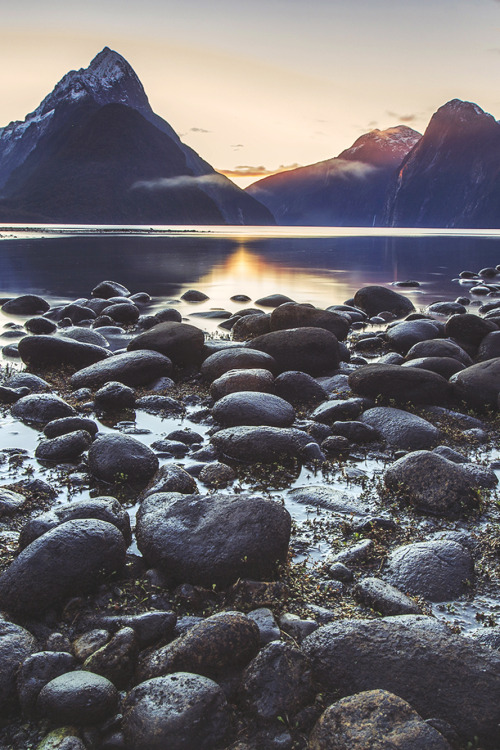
(403, 118)
(250, 171)
(237, 146)
(345, 168)
(199, 130)
(182, 181)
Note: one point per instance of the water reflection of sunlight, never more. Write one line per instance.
(247, 272)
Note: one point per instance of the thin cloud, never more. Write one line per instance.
(403, 118)
(199, 130)
(182, 181)
(345, 168)
(237, 146)
(261, 171)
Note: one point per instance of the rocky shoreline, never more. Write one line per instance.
(295, 564)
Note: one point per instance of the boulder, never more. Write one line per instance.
(374, 719)
(132, 368)
(273, 300)
(40, 325)
(214, 539)
(54, 351)
(123, 312)
(405, 335)
(311, 350)
(41, 408)
(67, 561)
(442, 676)
(299, 387)
(171, 478)
(179, 711)
(249, 326)
(80, 698)
(384, 598)
(64, 425)
(114, 396)
(66, 447)
(478, 385)
(84, 335)
(16, 645)
(469, 329)
(26, 304)
(115, 458)
(252, 408)
(293, 315)
(107, 289)
(444, 366)
(339, 410)
(116, 660)
(400, 429)
(181, 342)
(376, 299)
(266, 444)
(400, 384)
(27, 380)
(36, 671)
(257, 379)
(439, 348)
(236, 358)
(432, 484)
(489, 348)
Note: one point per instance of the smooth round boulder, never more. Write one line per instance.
(403, 336)
(400, 429)
(294, 315)
(66, 447)
(26, 304)
(194, 295)
(131, 368)
(444, 366)
(67, 561)
(338, 410)
(63, 425)
(478, 385)
(489, 348)
(80, 698)
(54, 351)
(214, 539)
(41, 408)
(299, 387)
(114, 396)
(36, 671)
(438, 348)
(374, 719)
(181, 342)
(171, 478)
(115, 458)
(438, 570)
(181, 711)
(123, 312)
(249, 326)
(273, 300)
(234, 381)
(84, 335)
(447, 308)
(16, 645)
(400, 384)
(311, 350)
(252, 408)
(261, 444)
(28, 380)
(469, 329)
(107, 289)
(236, 358)
(433, 484)
(375, 299)
(40, 325)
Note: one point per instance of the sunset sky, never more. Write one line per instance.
(257, 85)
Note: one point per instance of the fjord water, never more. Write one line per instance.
(323, 266)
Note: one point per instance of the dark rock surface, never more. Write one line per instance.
(236, 358)
(252, 408)
(292, 315)
(16, 645)
(479, 385)
(41, 408)
(400, 429)
(311, 350)
(122, 458)
(65, 447)
(180, 342)
(80, 698)
(52, 352)
(401, 384)
(259, 380)
(132, 368)
(266, 444)
(375, 299)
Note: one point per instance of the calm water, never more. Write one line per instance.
(318, 265)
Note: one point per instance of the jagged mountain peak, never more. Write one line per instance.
(462, 114)
(380, 146)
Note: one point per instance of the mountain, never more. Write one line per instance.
(348, 190)
(95, 152)
(452, 176)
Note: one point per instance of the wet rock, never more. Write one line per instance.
(167, 314)
(375, 299)
(374, 719)
(277, 682)
(181, 342)
(26, 304)
(356, 432)
(489, 347)
(268, 627)
(102, 508)
(28, 380)
(439, 348)
(66, 447)
(249, 326)
(444, 366)
(441, 675)
(469, 329)
(66, 561)
(80, 698)
(116, 660)
(236, 358)
(123, 312)
(258, 380)
(89, 642)
(76, 313)
(296, 627)
(432, 484)
(252, 408)
(85, 336)
(179, 711)
(447, 308)
(400, 429)
(16, 645)
(311, 350)
(217, 474)
(157, 404)
(170, 448)
(107, 289)
(171, 478)
(293, 315)
(114, 396)
(11, 395)
(487, 636)
(122, 458)
(273, 300)
(64, 425)
(215, 539)
(299, 387)
(132, 368)
(40, 325)
(405, 335)
(10, 501)
(351, 555)
(401, 384)
(194, 295)
(384, 598)
(436, 570)
(222, 642)
(479, 385)
(335, 411)
(54, 351)
(36, 671)
(41, 408)
(266, 444)
(149, 627)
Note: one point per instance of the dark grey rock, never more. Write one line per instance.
(116, 660)
(375, 299)
(249, 326)
(444, 366)
(66, 561)
(293, 315)
(439, 348)
(216, 474)
(149, 627)
(54, 351)
(157, 404)
(299, 387)
(64, 425)
(16, 645)
(401, 384)
(400, 429)
(181, 342)
(405, 335)
(447, 308)
(132, 368)
(215, 539)
(26, 304)
(114, 396)
(107, 289)
(194, 295)
(28, 380)
(311, 350)
(180, 711)
(10, 501)
(489, 347)
(90, 641)
(122, 458)
(236, 358)
(252, 408)
(479, 385)
(339, 410)
(234, 381)
(266, 444)
(384, 598)
(469, 329)
(36, 671)
(273, 300)
(66, 447)
(123, 312)
(268, 627)
(297, 627)
(80, 698)
(41, 408)
(171, 478)
(356, 432)
(39, 324)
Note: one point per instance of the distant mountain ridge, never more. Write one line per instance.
(46, 176)
(348, 190)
